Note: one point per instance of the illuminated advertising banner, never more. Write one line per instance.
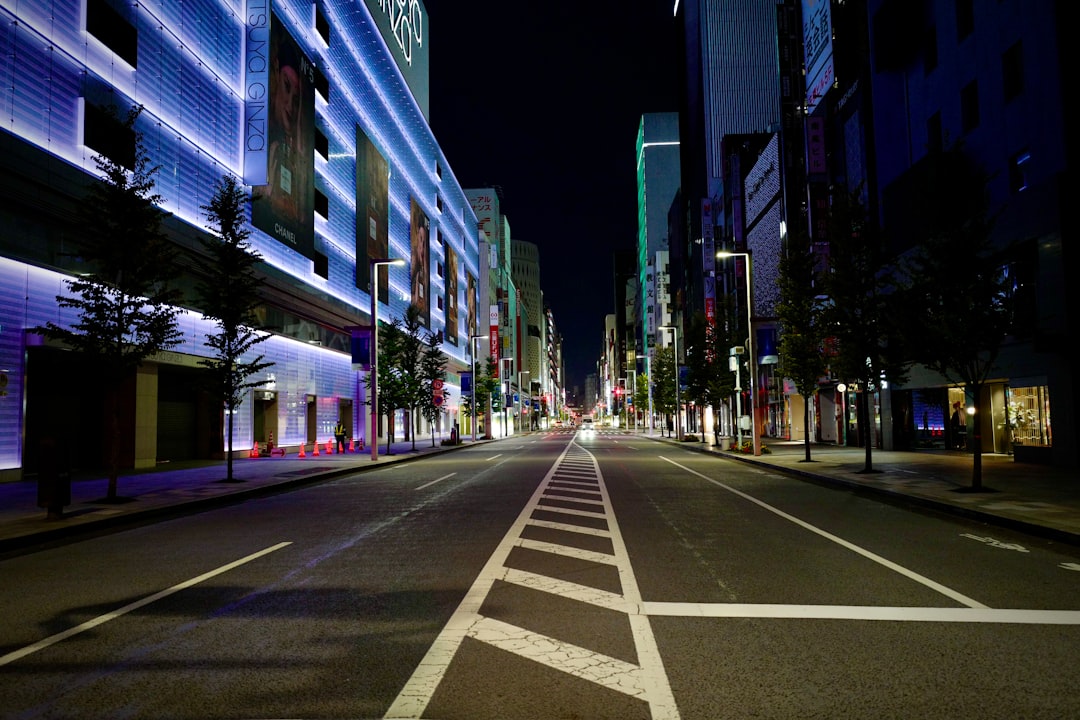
(256, 90)
(404, 28)
(471, 299)
(708, 260)
(372, 214)
(451, 296)
(493, 330)
(420, 242)
(817, 50)
(284, 207)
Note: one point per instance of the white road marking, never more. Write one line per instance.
(1070, 566)
(996, 543)
(101, 619)
(646, 681)
(948, 592)
(493, 457)
(428, 484)
(860, 612)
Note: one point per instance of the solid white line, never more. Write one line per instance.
(427, 484)
(948, 592)
(859, 612)
(567, 551)
(101, 619)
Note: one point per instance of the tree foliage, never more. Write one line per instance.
(663, 382)
(126, 309)
(961, 284)
(863, 309)
(227, 293)
(802, 333)
(709, 381)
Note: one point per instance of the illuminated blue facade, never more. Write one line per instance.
(184, 62)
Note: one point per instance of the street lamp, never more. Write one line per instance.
(506, 375)
(521, 398)
(749, 342)
(472, 348)
(374, 264)
(678, 414)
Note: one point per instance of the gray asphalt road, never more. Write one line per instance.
(604, 578)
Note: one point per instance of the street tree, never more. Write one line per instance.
(963, 285)
(125, 305)
(802, 332)
(227, 293)
(432, 373)
(663, 382)
(709, 382)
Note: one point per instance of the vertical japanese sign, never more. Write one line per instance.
(470, 304)
(708, 261)
(493, 330)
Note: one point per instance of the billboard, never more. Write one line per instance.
(372, 214)
(471, 300)
(451, 296)
(419, 267)
(817, 50)
(284, 207)
(403, 25)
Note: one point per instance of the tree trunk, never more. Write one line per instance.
(806, 426)
(976, 439)
(228, 451)
(112, 409)
(862, 411)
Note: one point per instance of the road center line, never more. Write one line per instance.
(102, 619)
(427, 484)
(493, 457)
(948, 592)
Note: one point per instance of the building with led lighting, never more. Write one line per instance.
(363, 179)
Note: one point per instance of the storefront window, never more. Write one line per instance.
(1029, 416)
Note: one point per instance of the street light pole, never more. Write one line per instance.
(472, 405)
(521, 397)
(374, 344)
(506, 375)
(749, 342)
(678, 414)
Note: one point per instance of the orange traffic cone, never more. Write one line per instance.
(254, 450)
(302, 453)
(316, 451)
(329, 447)
(352, 445)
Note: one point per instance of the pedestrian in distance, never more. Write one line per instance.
(339, 435)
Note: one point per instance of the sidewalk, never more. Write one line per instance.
(1035, 499)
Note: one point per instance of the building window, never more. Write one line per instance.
(438, 203)
(969, 106)
(113, 30)
(1029, 416)
(1012, 72)
(439, 302)
(965, 18)
(438, 171)
(322, 25)
(322, 84)
(322, 144)
(322, 203)
(1018, 165)
(321, 265)
(106, 134)
(439, 269)
(934, 142)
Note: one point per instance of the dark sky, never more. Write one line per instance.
(543, 99)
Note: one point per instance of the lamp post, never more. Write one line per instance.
(678, 414)
(521, 398)
(374, 265)
(472, 405)
(506, 375)
(749, 342)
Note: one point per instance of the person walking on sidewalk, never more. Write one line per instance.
(339, 435)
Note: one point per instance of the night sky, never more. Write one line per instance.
(543, 100)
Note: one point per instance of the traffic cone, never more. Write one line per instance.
(352, 445)
(302, 453)
(254, 450)
(329, 447)
(315, 453)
